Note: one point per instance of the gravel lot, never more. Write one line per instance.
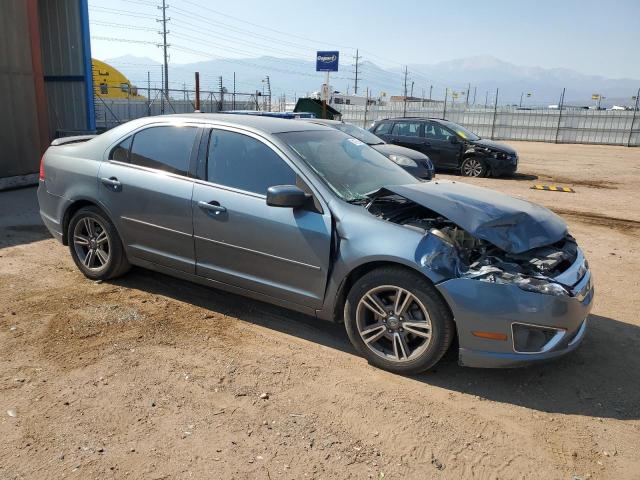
(152, 377)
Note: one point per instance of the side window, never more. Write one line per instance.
(120, 152)
(383, 128)
(406, 129)
(164, 148)
(239, 161)
(436, 132)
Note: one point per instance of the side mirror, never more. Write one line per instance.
(286, 196)
(453, 139)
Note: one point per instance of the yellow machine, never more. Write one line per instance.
(108, 82)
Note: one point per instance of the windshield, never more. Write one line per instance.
(359, 133)
(462, 132)
(348, 166)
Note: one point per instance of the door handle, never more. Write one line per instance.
(212, 206)
(111, 182)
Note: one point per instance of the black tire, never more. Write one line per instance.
(474, 167)
(96, 267)
(442, 328)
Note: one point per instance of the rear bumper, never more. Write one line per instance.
(49, 205)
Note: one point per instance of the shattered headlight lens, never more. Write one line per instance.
(402, 161)
(538, 285)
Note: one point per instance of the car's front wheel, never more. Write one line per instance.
(95, 245)
(473, 167)
(397, 320)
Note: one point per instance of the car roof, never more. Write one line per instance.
(321, 121)
(265, 124)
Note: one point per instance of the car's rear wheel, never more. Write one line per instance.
(397, 320)
(95, 245)
(473, 167)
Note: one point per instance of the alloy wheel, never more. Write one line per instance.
(393, 323)
(92, 243)
(472, 168)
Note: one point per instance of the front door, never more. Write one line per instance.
(438, 146)
(240, 240)
(145, 187)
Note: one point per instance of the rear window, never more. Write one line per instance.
(166, 148)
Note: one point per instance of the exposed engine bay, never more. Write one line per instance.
(475, 258)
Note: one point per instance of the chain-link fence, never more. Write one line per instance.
(147, 102)
(566, 125)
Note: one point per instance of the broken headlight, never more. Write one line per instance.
(539, 285)
(402, 160)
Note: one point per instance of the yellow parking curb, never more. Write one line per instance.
(553, 188)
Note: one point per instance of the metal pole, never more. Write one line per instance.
(148, 93)
(560, 114)
(486, 98)
(444, 111)
(495, 114)
(633, 119)
(366, 106)
(198, 91)
(325, 98)
(355, 86)
(164, 46)
(234, 91)
(475, 89)
(404, 108)
(521, 94)
(430, 90)
(468, 89)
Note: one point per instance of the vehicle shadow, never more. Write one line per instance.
(600, 379)
(520, 177)
(22, 234)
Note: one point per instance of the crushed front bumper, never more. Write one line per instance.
(480, 306)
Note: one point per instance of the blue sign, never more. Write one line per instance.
(327, 61)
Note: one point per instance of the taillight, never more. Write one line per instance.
(42, 168)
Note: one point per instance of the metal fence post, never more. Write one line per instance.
(560, 114)
(633, 119)
(366, 105)
(444, 110)
(495, 114)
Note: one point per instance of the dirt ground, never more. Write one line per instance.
(151, 377)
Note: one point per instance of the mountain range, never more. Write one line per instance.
(484, 74)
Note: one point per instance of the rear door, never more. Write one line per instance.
(408, 134)
(146, 188)
(240, 240)
(438, 146)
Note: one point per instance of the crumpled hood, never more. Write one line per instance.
(509, 223)
(496, 146)
(388, 149)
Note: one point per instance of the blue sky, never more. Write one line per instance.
(588, 36)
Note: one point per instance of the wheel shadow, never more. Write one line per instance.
(599, 379)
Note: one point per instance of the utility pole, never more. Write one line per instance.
(412, 82)
(475, 89)
(268, 93)
(486, 98)
(430, 90)
(404, 110)
(165, 45)
(357, 59)
(468, 89)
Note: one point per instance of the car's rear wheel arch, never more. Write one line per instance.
(71, 211)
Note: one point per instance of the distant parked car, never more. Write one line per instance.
(449, 146)
(416, 163)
